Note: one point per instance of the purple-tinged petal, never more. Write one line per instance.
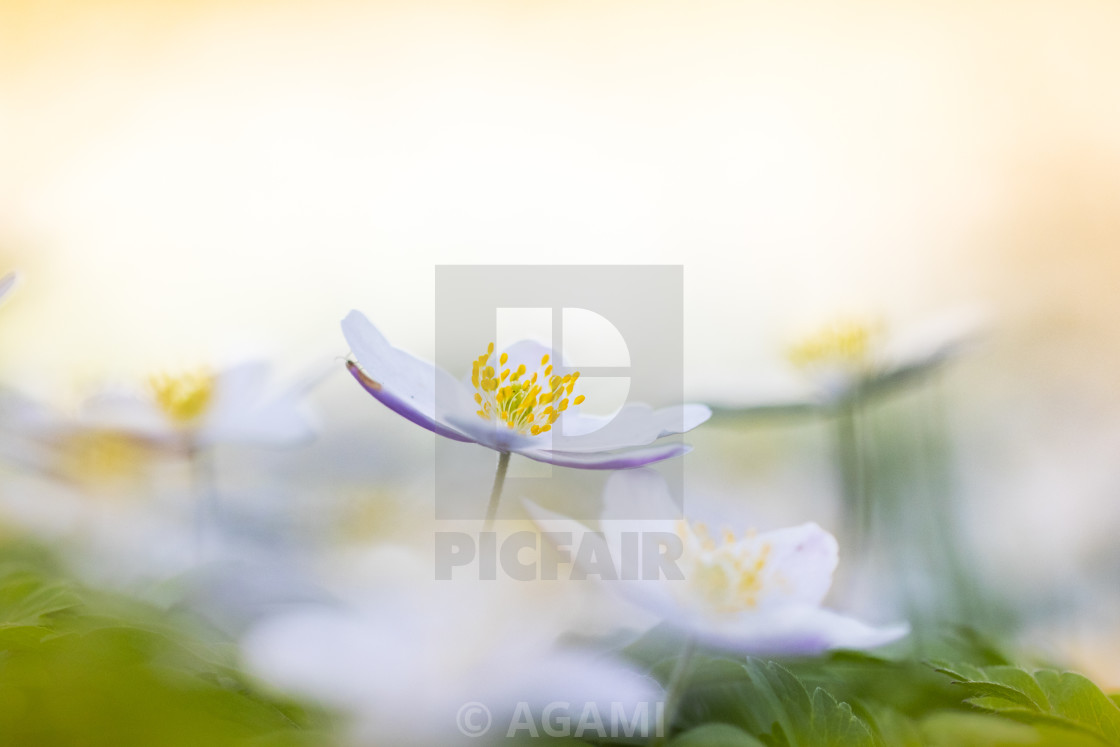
(407, 385)
(7, 283)
(792, 631)
(608, 459)
(401, 407)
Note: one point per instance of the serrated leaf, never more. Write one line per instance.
(834, 722)
(1046, 697)
(771, 704)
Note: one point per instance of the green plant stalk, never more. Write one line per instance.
(496, 491)
(673, 692)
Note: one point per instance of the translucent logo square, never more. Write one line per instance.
(619, 326)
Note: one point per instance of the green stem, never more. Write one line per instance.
(673, 692)
(852, 479)
(496, 492)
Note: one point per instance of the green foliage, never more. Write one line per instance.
(1045, 698)
(766, 701)
(716, 735)
(79, 667)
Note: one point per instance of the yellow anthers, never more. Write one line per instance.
(185, 397)
(101, 456)
(514, 396)
(845, 343)
(728, 576)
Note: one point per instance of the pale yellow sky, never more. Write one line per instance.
(181, 179)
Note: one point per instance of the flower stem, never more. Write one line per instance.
(496, 492)
(204, 496)
(853, 479)
(673, 692)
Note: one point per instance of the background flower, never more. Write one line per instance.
(402, 662)
(757, 593)
(238, 404)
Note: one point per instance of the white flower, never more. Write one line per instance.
(405, 662)
(510, 403)
(201, 408)
(851, 358)
(759, 594)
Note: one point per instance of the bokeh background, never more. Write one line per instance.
(184, 181)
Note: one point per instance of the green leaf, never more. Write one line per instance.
(771, 704)
(1046, 697)
(834, 723)
(956, 729)
(716, 735)
(26, 598)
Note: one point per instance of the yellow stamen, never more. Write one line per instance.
(183, 398)
(512, 397)
(727, 577)
(843, 343)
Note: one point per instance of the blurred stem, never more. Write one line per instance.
(496, 492)
(946, 549)
(673, 692)
(205, 497)
(853, 480)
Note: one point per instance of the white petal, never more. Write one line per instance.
(127, 413)
(791, 631)
(565, 531)
(638, 494)
(620, 459)
(246, 409)
(636, 424)
(413, 388)
(800, 563)
(651, 593)
(490, 433)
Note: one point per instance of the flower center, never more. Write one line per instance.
(525, 403)
(727, 576)
(843, 343)
(183, 397)
(101, 456)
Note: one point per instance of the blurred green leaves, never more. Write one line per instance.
(79, 667)
(1045, 698)
(767, 702)
(92, 668)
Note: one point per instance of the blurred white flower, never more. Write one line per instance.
(855, 358)
(404, 663)
(510, 403)
(201, 408)
(755, 593)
